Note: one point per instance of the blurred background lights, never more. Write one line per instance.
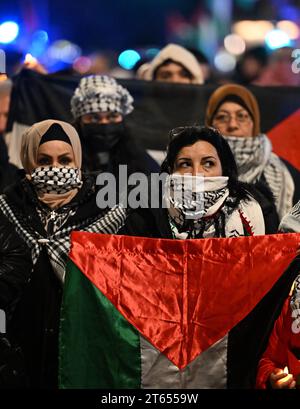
(29, 59)
(128, 58)
(277, 39)
(65, 51)
(152, 52)
(82, 64)
(39, 42)
(234, 44)
(9, 31)
(251, 31)
(290, 28)
(224, 61)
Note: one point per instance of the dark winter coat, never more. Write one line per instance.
(36, 319)
(15, 273)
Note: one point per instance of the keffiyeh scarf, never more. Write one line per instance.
(295, 306)
(201, 207)
(53, 180)
(58, 244)
(254, 158)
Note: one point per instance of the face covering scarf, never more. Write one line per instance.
(190, 199)
(53, 180)
(102, 137)
(254, 157)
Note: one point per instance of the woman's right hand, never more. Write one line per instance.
(281, 380)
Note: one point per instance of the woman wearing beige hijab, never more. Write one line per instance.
(51, 201)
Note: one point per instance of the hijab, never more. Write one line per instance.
(42, 132)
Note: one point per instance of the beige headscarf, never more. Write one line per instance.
(177, 54)
(29, 151)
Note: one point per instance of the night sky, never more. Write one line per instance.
(98, 24)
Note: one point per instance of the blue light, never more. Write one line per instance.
(277, 39)
(39, 43)
(152, 52)
(128, 58)
(9, 31)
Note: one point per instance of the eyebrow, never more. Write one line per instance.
(230, 112)
(60, 156)
(204, 157)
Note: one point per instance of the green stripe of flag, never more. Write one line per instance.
(98, 346)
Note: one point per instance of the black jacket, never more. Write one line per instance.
(8, 171)
(264, 197)
(36, 319)
(15, 273)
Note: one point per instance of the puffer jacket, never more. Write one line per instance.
(15, 275)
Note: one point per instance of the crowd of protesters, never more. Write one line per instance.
(248, 190)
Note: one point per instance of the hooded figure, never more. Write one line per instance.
(234, 111)
(50, 202)
(99, 106)
(173, 64)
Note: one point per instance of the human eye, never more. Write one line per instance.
(44, 161)
(113, 117)
(165, 75)
(183, 164)
(209, 163)
(222, 117)
(90, 119)
(242, 116)
(66, 160)
(185, 74)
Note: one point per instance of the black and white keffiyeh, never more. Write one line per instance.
(100, 93)
(201, 207)
(254, 158)
(295, 306)
(54, 180)
(290, 223)
(58, 244)
(190, 197)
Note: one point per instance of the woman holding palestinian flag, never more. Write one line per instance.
(51, 201)
(203, 199)
(155, 308)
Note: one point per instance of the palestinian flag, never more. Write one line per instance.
(149, 313)
(159, 107)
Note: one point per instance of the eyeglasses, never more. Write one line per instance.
(225, 118)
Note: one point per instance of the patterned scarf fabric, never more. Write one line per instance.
(246, 220)
(290, 223)
(53, 180)
(254, 158)
(190, 199)
(295, 305)
(193, 197)
(58, 244)
(251, 155)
